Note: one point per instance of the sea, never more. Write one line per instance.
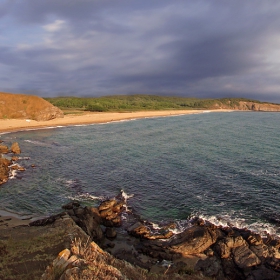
(222, 167)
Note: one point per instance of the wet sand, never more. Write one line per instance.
(8, 125)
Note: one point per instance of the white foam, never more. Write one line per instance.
(85, 196)
(258, 227)
(126, 196)
(12, 174)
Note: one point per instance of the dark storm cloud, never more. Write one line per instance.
(190, 48)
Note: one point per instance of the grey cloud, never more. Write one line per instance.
(195, 48)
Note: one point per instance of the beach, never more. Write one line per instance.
(7, 125)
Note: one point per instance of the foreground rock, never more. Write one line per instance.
(25, 251)
(222, 253)
(203, 248)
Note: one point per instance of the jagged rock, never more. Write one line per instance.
(244, 257)
(15, 148)
(224, 246)
(110, 211)
(254, 239)
(261, 251)
(49, 113)
(4, 170)
(4, 149)
(194, 240)
(211, 267)
(71, 205)
(143, 231)
(107, 204)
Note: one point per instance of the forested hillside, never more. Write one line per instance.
(144, 102)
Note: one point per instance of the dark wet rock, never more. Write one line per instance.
(110, 233)
(15, 148)
(262, 273)
(71, 205)
(273, 263)
(230, 270)
(211, 267)
(94, 214)
(47, 221)
(79, 212)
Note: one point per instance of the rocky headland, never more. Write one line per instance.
(21, 106)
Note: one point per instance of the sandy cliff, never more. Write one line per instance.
(19, 106)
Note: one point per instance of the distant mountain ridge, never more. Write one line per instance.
(21, 106)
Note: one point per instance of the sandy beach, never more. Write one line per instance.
(8, 125)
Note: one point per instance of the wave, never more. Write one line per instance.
(43, 144)
(85, 197)
(263, 228)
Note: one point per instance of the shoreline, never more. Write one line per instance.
(14, 125)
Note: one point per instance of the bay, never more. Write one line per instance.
(220, 166)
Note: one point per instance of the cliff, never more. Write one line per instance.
(234, 104)
(19, 106)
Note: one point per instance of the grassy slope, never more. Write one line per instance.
(140, 102)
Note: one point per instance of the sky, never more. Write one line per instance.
(190, 48)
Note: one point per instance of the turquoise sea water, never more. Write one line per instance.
(220, 166)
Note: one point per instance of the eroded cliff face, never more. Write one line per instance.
(265, 107)
(20, 106)
(247, 106)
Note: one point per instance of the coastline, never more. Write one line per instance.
(12, 125)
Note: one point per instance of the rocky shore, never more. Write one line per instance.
(109, 242)
(202, 249)
(8, 164)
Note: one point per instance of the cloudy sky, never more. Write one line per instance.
(192, 48)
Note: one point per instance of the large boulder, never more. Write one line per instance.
(244, 257)
(194, 240)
